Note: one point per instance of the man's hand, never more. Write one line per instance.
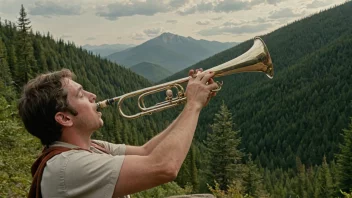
(199, 88)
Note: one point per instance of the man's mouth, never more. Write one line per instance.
(98, 108)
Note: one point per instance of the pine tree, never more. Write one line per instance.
(225, 157)
(301, 179)
(253, 180)
(193, 169)
(325, 180)
(26, 61)
(5, 75)
(344, 161)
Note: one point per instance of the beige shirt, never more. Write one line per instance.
(83, 174)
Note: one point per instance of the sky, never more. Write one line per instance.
(97, 22)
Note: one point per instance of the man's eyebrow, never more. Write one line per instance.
(78, 90)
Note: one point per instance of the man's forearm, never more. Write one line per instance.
(152, 143)
(175, 145)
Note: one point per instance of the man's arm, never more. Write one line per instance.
(163, 163)
(149, 146)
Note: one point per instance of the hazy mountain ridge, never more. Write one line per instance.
(172, 51)
(106, 49)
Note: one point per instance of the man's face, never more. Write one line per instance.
(88, 118)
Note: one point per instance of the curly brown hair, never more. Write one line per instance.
(41, 99)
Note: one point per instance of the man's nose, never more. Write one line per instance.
(92, 97)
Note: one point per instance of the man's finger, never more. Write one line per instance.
(200, 75)
(191, 72)
(213, 86)
(211, 81)
(207, 77)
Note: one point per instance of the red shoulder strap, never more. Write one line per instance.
(97, 146)
(38, 168)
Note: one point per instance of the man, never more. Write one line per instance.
(63, 115)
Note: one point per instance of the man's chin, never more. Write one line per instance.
(101, 123)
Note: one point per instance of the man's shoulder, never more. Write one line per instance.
(59, 161)
(77, 160)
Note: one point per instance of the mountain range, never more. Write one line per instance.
(106, 49)
(171, 51)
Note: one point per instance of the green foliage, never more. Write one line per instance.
(253, 180)
(344, 160)
(17, 152)
(346, 195)
(25, 58)
(317, 181)
(325, 180)
(165, 190)
(6, 85)
(150, 71)
(234, 190)
(222, 144)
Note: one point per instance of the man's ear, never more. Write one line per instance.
(63, 119)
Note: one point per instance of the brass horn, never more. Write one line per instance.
(256, 59)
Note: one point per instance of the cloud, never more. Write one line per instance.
(91, 39)
(137, 36)
(283, 13)
(235, 29)
(54, 8)
(178, 3)
(203, 22)
(115, 10)
(245, 22)
(231, 6)
(65, 36)
(153, 32)
(317, 4)
(10, 6)
(216, 18)
(133, 7)
(187, 11)
(234, 23)
(273, 2)
(226, 6)
(171, 21)
(260, 20)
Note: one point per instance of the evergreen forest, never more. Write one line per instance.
(290, 136)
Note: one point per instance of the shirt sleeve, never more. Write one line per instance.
(91, 175)
(114, 149)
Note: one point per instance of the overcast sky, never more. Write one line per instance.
(136, 21)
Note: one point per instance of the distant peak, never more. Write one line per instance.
(167, 34)
(168, 37)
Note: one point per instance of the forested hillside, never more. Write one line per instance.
(151, 71)
(302, 111)
(285, 137)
